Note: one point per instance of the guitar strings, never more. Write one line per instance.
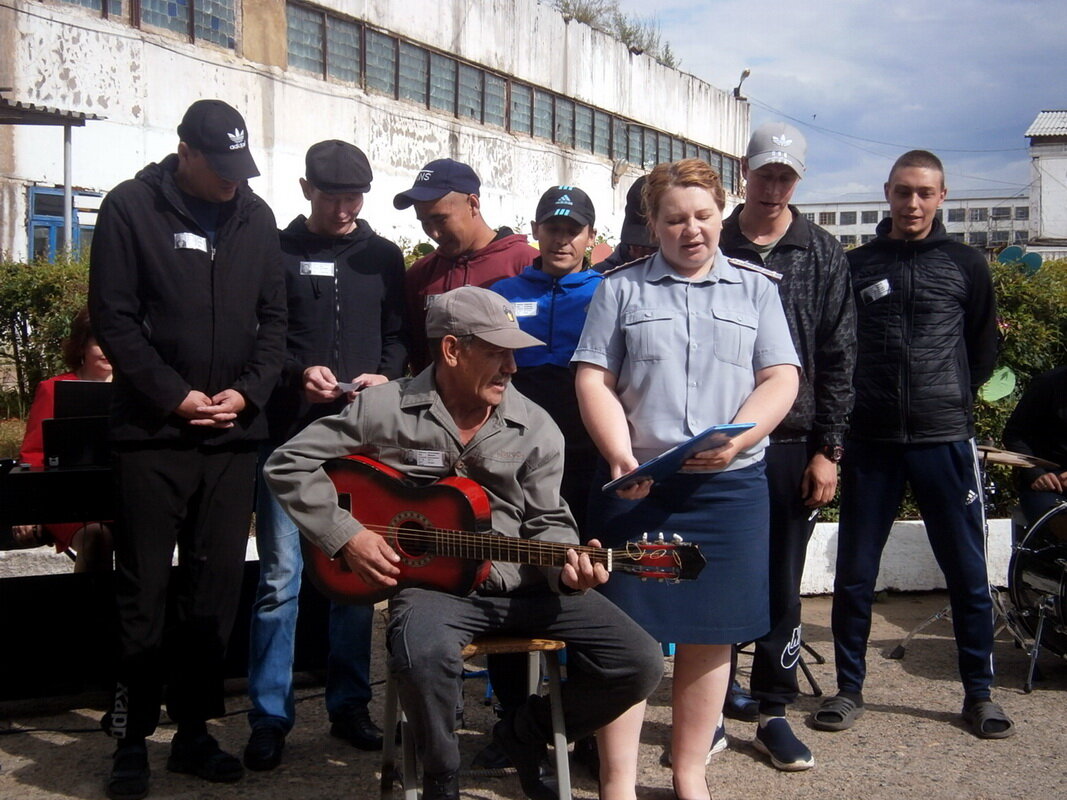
(478, 541)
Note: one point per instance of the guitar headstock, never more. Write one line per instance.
(660, 559)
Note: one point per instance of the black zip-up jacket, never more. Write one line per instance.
(351, 321)
(817, 298)
(927, 337)
(175, 313)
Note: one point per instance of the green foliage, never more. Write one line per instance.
(1034, 329)
(37, 302)
(639, 34)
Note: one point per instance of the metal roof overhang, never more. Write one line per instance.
(19, 113)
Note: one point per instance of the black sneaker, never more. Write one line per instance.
(201, 755)
(444, 786)
(526, 758)
(264, 749)
(129, 772)
(777, 740)
(358, 729)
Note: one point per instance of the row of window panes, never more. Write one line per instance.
(847, 217)
(212, 20)
(329, 46)
(978, 214)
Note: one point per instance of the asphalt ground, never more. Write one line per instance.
(910, 743)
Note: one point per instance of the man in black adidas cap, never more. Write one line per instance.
(345, 291)
(188, 302)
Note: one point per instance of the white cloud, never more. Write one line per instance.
(965, 75)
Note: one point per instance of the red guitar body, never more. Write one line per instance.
(380, 498)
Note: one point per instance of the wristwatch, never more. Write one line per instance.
(834, 452)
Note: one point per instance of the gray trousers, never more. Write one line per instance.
(611, 662)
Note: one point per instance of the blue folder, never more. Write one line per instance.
(669, 462)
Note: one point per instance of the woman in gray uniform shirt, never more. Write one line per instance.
(673, 344)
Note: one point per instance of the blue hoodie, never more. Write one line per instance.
(552, 309)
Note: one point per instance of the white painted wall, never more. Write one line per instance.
(908, 564)
(64, 56)
(1049, 172)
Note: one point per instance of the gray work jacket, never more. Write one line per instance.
(516, 457)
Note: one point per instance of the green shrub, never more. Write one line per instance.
(37, 302)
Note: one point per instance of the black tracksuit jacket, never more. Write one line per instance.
(174, 313)
(351, 322)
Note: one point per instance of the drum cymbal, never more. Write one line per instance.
(998, 455)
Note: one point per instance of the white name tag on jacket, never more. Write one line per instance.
(317, 269)
(526, 308)
(426, 458)
(187, 240)
(876, 291)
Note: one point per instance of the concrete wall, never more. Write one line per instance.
(908, 565)
(64, 56)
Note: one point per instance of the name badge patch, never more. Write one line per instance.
(187, 240)
(876, 291)
(426, 458)
(317, 269)
(429, 300)
(525, 309)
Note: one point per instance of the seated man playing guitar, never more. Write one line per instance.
(460, 417)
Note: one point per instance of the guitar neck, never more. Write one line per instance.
(509, 549)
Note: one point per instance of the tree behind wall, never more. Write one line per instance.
(37, 302)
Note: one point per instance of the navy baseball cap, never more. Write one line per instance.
(565, 201)
(437, 179)
(337, 167)
(218, 130)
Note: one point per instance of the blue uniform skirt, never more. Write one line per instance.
(726, 515)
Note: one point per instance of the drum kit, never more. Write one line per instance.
(1033, 608)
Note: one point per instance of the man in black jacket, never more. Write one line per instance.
(927, 341)
(806, 447)
(345, 292)
(188, 302)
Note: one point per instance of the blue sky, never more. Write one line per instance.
(866, 81)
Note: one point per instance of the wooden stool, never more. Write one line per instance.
(487, 645)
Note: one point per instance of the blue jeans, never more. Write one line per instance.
(273, 631)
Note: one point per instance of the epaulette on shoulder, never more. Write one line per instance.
(609, 272)
(767, 273)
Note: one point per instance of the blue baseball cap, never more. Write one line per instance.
(437, 179)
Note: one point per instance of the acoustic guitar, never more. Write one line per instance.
(443, 535)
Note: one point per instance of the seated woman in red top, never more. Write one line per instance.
(91, 542)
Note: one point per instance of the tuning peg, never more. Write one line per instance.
(676, 538)
(660, 537)
(644, 536)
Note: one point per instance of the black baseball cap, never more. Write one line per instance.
(566, 201)
(634, 222)
(218, 130)
(437, 179)
(337, 167)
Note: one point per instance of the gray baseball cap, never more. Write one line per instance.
(777, 143)
(474, 311)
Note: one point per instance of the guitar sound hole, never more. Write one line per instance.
(412, 540)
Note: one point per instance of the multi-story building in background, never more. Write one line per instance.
(526, 97)
(989, 220)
